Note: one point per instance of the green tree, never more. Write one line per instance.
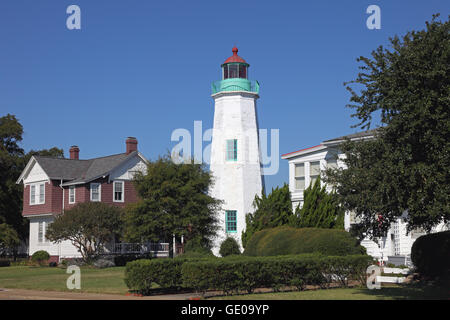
(320, 209)
(174, 199)
(12, 161)
(407, 165)
(89, 226)
(11, 166)
(9, 239)
(52, 152)
(270, 211)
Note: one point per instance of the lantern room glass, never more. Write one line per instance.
(234, 70)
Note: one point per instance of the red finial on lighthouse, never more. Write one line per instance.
(235, 57)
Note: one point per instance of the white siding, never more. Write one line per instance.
(235, 182)
(126, 171)
(36, 174)
(63, 249)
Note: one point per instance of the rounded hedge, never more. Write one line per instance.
(430, 254)
(288, 240)
(229, 247)
(40, 256)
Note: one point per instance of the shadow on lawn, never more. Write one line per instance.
(418, 291)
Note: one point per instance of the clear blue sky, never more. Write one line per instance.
(144, 68)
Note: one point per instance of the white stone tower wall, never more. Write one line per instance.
(235, 182)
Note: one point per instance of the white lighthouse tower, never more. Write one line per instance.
(235, 157)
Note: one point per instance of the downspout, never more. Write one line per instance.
(59, 243)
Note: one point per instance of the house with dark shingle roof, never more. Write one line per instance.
(53, 185)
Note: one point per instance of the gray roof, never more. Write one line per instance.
(353, 136)
(81, 171)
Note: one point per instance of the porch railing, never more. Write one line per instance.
(140, 248)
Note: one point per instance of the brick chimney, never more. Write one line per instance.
(131, 143)
(74, 152)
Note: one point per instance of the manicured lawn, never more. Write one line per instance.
(108, 280)
(394, 292)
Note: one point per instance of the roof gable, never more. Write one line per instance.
(74, 171)
(369, 134)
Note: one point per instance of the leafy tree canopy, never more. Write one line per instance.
(12, 161)
(270, 211)
(11, 165)
(9, 239)
(407, 165)
(89, 226)
(174, 199)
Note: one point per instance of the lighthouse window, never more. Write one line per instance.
(232, 150)
(230, 221)
(233, 71)
(242, 71)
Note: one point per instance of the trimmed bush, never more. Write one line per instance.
(248, 273)
(121, 260)
(287, 240)
(40, 256)
(430, 254)
(141, 274)
(196, 247)
(229, 247)
(240, 273)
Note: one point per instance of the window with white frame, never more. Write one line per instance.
(37, 193)
(95, 192)
(45, 230)
(299, 176)
(314, 171)
(118, 191)
(42, 231)
(72, 194)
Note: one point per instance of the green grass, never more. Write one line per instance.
(393, 292)
(108, 280)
